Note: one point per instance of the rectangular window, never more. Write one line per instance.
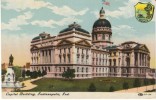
(69, 50)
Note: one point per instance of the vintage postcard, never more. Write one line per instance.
(80, 49)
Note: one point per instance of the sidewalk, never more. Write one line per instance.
(29, 85)
(140, 89)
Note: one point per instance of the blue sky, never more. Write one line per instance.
(24, 19)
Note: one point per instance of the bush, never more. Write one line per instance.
(27, 73)
(34, 74)
(18, 72)
(4, 71)
(92, 87)
(43, 73)
(152, 81)
(146, 81)
(23, 73)
(125, 85)
(137, 83)
(69, 74)
(39, 73)
(111, 89)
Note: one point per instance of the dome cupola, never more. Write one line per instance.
(101, 32)
(102, 13)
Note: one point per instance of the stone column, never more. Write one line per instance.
(138, 59)
(51, 56)
(42, 56)
(146, 60)
(132, 59)
(73, 55)
(47, 60)
(32, 58)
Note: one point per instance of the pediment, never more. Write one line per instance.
(65, 42)
(144, 48)
(34, 47)
(83, 42)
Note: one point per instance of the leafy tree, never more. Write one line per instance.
(34, 74)
(39, 73)
(92, 87)
(27, 73)
(23, 73)
(4, 71)
(43, 73)
(111, 89)
(18, 72)
(125, 85)
(69, 74)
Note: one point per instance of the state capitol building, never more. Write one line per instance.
(91, 55)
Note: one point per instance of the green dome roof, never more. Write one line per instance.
(74, 26)
(102, 23)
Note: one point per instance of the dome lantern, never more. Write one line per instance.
(102, 13)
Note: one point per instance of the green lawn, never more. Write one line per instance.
(60, 85)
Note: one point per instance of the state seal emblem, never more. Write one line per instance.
(144, 12)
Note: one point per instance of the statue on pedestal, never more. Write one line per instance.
(11, 58)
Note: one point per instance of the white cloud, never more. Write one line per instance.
(15, 23)
(96, 13)
(20, 5)
(53, 23)
(125, 11)
(123, 29)
(67, 11)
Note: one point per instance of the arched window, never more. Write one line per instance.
(110, 62)
(114, 60)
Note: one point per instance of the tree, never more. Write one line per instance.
(125, 85)
(69, 74)
(43, 73)
(18, 72)
(39, 73)
(27, 73)
(34, 74)
(23, 73)
(92, 87)
(4, 71)
(137, 83)
(111, 89)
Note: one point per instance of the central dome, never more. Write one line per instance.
(102, 23)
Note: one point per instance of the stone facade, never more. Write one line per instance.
(91, 55)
